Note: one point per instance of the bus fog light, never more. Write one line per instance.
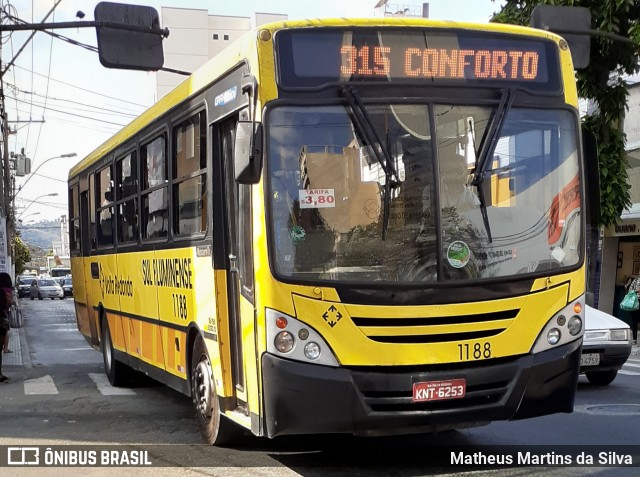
(284, 342)
(312, 350)
(575, 325)
(561, 320)
(303, 334)
(553, 336)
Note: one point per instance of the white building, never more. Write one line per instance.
(195, 37)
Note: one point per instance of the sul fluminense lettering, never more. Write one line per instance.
(440, 63)
(168, 272)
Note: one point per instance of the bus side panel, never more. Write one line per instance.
(80, 297)
(139, 308)
(103, 290)
(220, 354)
(173, 273)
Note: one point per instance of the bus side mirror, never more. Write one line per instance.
(138, 47)
(247, 153)
(572, 23)
(592, 175)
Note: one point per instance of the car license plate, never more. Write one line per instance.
(439, 390)
(590, 359)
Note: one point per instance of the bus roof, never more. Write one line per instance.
(236, 52)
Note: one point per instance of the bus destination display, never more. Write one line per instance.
(312, 58)
(440, 63)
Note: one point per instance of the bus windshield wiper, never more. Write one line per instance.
(369, 137)
(487, 148)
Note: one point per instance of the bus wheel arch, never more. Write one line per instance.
(215, 428)
(117, 372)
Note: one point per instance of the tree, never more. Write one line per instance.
(603, 82)
(22, 254)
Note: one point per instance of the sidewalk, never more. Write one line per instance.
(17, 344)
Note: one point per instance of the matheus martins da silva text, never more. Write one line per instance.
(547, 458)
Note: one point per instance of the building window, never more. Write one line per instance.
(226, 37)
(215, 36)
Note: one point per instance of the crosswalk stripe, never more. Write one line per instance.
(632, 364)
(104, 386)
(43, 385)
(628, 373)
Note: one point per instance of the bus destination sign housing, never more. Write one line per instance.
(313, 58)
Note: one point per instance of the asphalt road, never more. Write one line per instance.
(58, 395)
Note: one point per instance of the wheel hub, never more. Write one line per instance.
(203, 388)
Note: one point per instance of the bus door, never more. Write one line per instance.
(239, 268)
(84, 281)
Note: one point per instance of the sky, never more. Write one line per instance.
(60, 100)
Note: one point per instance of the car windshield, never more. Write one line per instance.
(67, 281)
(25, 281)
(46, 283)
(421, 212)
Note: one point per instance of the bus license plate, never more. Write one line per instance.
(590, 359)
(439, 390)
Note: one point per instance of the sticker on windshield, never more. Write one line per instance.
(458, 254)
(316, 198)
(297, 234)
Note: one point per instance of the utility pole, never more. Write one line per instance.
(5, 244)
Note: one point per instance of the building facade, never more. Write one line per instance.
(620, 257)
(195, 37)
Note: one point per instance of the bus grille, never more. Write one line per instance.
(483, 389)
(430, 330)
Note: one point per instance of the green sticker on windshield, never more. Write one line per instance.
(458, 254)
(297, 234)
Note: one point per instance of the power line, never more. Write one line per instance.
(51, 98)
(81, 88)
(78, 115)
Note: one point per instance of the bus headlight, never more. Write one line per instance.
(553, 336)
(565, 326)
(284, 342)
(312, 350)
(575, 325)
(292, 339)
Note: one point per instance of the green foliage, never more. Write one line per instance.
(21, 256)
(601, 82)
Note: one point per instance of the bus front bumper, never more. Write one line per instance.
(301, 398)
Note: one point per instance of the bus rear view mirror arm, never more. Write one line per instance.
(247, 155)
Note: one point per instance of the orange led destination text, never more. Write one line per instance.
(441, 63)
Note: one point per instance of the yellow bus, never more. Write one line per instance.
(367, 226)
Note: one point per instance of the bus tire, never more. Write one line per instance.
(215, 428)
(602, 378)
(116, 371)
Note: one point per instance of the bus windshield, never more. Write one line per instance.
(334, 217)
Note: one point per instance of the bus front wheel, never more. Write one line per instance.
(216, 429)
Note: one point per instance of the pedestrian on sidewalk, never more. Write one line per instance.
(633, 283)
(7, 287)
(5, 322)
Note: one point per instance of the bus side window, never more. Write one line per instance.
(189, 177)
(155, 201)
(92, 211)
(105, 209)
(127, 186)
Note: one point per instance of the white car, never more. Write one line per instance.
(45, 288)
(605, 347)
